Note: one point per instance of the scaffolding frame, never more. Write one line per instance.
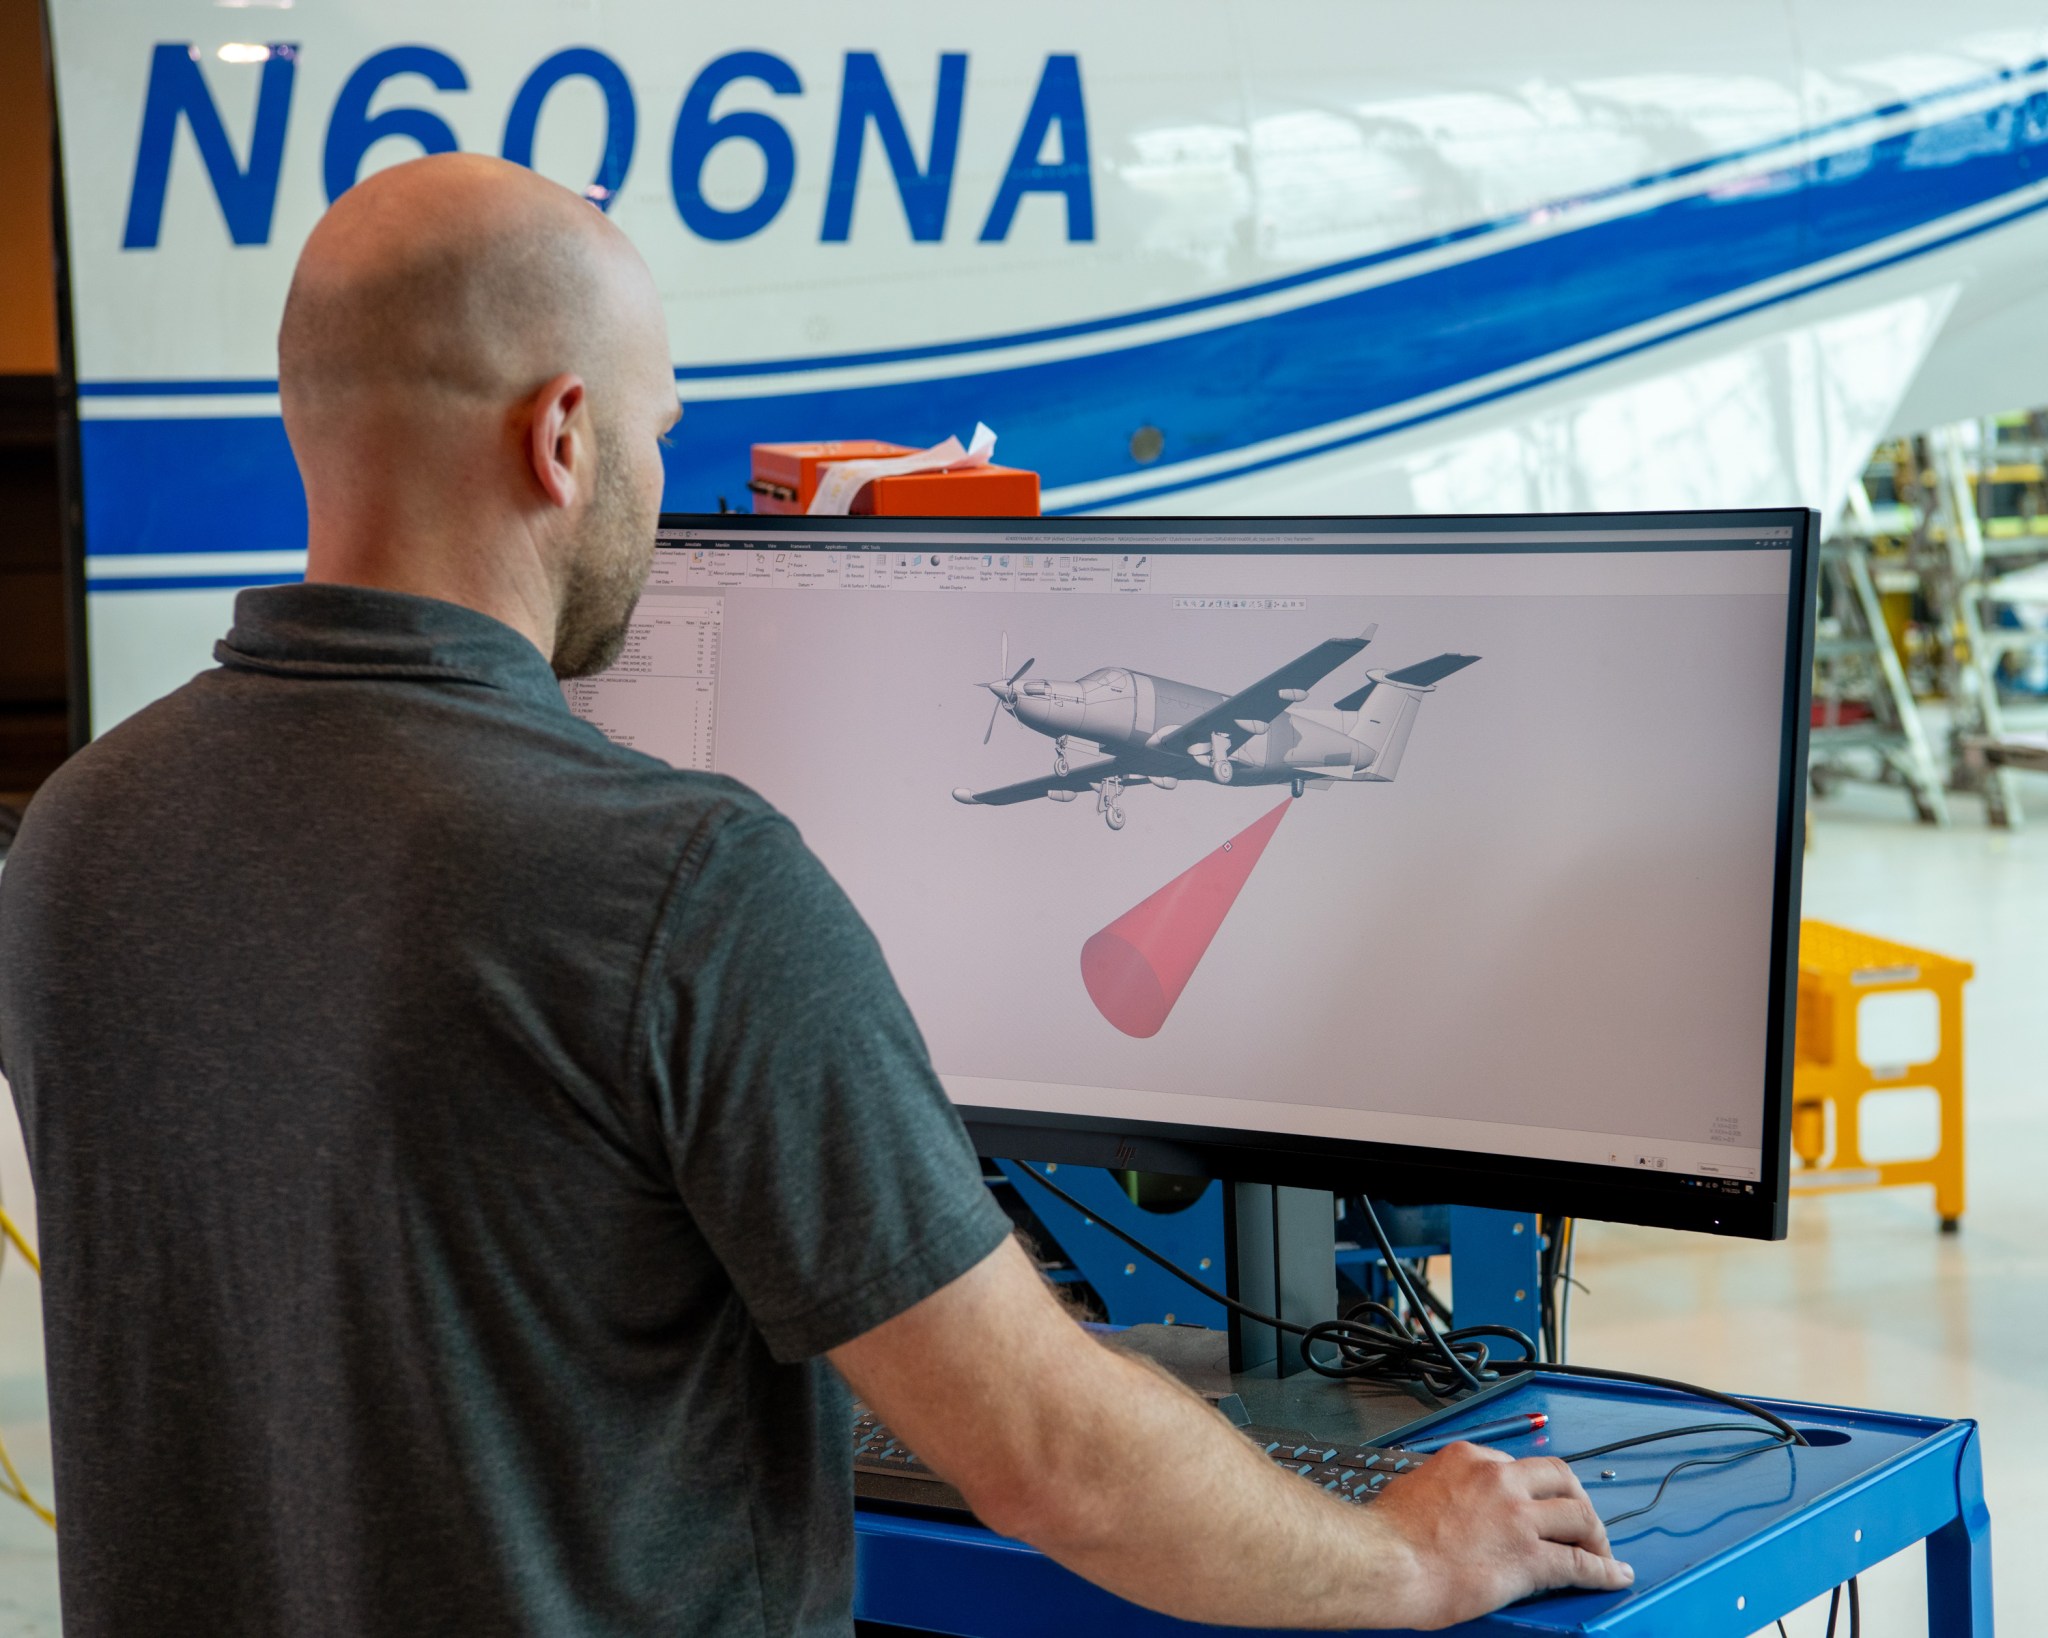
(1856, 662)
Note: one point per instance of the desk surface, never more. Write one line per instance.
(1727, 1550)
(1706, 1511)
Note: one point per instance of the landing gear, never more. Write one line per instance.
(1106, 802)
(1224, 770)
(1059, 757)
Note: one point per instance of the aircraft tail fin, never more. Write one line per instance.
(1422, 674)
(1386, 715)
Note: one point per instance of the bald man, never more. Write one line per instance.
(461, 1143)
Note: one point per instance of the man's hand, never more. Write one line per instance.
(1486, 1529)
(1125, 1477)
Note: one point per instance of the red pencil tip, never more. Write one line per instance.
(1537, 1419)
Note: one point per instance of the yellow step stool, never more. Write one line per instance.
(1838, 970)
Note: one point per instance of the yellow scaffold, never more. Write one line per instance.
(1839, 970)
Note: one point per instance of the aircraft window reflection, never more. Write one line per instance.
(1700, 113)
(1196, 192)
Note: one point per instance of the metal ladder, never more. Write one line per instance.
(1857, 662)
(1954, 581)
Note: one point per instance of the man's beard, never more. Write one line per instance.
(606, 572)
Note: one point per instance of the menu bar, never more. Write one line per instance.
(712, 567)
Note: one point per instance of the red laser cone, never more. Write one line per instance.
(1136, 967)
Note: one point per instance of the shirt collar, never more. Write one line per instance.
(324, 631)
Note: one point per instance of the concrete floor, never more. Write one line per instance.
(1866, 1303)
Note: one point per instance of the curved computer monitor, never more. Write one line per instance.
(1452, 859)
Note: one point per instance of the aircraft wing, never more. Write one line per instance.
(1030, 790)
(1262, 702)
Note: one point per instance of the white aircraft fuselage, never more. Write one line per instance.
(1154, 730)
(1116, 708)
(1254, 258)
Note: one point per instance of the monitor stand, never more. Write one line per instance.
(1280, 1256)
(1280, 1248)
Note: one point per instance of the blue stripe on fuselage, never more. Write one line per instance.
(1246, 382)
(190, 485)
(186, 485)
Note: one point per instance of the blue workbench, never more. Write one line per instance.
(1729, 1550)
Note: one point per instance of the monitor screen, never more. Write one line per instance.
(1448, 859)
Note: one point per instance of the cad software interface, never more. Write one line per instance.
(1456, 839)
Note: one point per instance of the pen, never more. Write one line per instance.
(1484, 1433)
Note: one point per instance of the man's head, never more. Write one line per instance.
(475, 372)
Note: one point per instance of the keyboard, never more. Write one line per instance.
(885, 1471)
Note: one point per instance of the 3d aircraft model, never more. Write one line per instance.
(1158, 732)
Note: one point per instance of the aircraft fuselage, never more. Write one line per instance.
(1120, 709)
(1157, 731)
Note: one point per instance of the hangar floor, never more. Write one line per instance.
(1866, 1304)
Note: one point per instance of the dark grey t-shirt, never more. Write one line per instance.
(455, 1138)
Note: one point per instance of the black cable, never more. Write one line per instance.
(1453, 1357)
(1441, 1361)
(1708, 1520)
(1388, 1353)
(1834, 1609)
(1855, 1610)
(1437, 1306)
(1564, 1295)
(1375, 1344)
(1677, 1468)
(1789, 1435)
(1552, 1229)
(1657, 1438)
(1171, 1267)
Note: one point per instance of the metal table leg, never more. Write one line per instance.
(1959, 1559)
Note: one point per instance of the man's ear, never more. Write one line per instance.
(559, 445)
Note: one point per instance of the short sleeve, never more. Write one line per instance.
(808, 1133)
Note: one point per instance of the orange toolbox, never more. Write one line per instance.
(785, 477)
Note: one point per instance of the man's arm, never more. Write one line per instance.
(1128, 1479)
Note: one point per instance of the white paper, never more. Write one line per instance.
(842, 481)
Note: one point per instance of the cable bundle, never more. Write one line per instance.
(1375, 1344)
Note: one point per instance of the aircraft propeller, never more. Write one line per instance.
(1006, 690)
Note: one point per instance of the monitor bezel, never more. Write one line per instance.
(1400, 1172)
